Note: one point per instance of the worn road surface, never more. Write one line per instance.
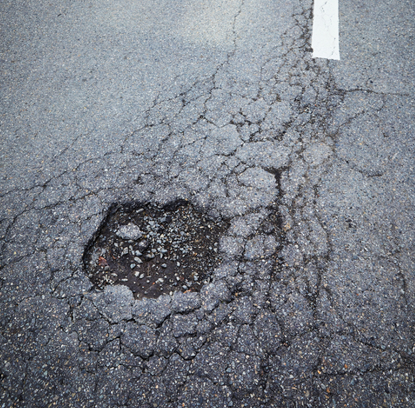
(210, 115)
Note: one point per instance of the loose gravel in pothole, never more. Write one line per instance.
(154, 251)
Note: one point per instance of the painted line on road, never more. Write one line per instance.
(325, 37)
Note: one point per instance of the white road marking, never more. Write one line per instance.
(325, 37)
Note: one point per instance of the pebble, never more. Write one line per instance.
(132, 266)
(129, 231)
(138, 260)
(163, 265)
(142, 245)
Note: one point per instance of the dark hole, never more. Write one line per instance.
(153, 250)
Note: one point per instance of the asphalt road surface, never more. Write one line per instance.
(126, 126)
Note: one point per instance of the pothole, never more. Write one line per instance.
(154, 251)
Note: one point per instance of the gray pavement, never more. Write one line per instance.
(306, 167)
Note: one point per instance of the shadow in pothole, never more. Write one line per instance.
(152, 250)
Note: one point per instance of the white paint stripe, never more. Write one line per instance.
(325, 38)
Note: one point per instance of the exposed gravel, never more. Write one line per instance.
(154, 251)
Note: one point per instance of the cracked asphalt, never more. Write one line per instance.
(309, 163)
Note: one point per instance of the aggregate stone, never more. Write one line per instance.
(129, 231)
